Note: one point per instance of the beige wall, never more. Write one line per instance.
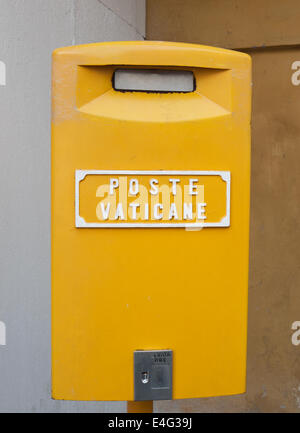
(273, 373)
(226, 23)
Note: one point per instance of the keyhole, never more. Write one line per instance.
(145, 377)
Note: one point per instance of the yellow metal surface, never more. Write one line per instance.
(117, 290)
(140, 406)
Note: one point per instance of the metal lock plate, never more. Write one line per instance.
(153, 375)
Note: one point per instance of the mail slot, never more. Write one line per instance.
(150, 221)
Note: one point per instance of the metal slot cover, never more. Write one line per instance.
(153, 80)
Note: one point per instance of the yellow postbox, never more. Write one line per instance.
(150, 221)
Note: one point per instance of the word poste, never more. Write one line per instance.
(149, 199)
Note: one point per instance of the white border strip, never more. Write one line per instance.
(81, 174)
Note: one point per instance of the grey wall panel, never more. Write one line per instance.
(29, 31)
(131, 11)
(100, 19)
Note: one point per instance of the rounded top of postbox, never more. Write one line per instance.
(153, 53)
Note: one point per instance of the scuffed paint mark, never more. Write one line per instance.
(264, 393)
(296, 394)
